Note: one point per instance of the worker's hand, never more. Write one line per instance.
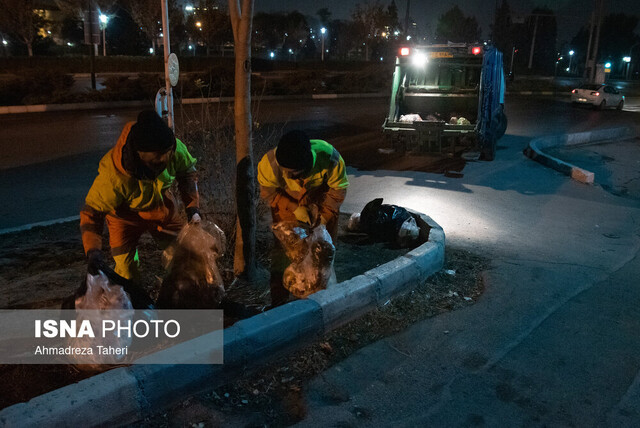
(95, 261)
(302, 214)
(193, 215)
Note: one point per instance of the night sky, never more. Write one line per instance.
(571, 14)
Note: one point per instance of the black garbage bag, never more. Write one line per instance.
(387, 223)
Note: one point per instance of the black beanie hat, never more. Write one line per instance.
(294, 151)
(151, 134)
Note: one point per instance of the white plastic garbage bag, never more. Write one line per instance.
(311, 252)
(193, 280)
(101, 295)
(410, 118)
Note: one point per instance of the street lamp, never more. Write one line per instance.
(571, 52)
(103, 23)
(323, 31)
(627, 59)
(629, 62)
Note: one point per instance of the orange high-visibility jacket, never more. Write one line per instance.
(325, 184)
(116, 192)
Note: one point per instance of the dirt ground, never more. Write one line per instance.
(616, 164)
(41, 267)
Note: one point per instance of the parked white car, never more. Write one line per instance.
(597, 95)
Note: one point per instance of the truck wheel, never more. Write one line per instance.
(489, 150)
(502, 125)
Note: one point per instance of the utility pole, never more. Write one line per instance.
(533, 42)
(167, 48)
(588, 65)
(406, 18)
(599, 11)
(513, 53)
(92, 47)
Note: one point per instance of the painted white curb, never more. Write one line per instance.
(536, 147)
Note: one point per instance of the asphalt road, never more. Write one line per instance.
(50, 159)
(552, 341)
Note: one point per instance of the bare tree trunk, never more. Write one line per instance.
(30, 49)
(245, 250)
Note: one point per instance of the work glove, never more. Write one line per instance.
(193, 215)
(95, 261)
(302, 214)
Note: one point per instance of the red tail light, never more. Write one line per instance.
(573, 92)
(404, 51)
(597, 94)
(476, 50)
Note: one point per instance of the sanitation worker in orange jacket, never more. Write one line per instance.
(303, 180)
(133, 193)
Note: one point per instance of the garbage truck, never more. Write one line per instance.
(447, 98)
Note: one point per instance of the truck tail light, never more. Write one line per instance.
(404, 51)
(476, 50)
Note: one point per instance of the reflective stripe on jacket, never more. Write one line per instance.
(325, 184)
(115, 191)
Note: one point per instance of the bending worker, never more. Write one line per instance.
(303, 180)
(133, 193)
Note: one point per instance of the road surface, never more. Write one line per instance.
(50, 159)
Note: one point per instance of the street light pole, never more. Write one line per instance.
(630, 57)
(323, 31)
(103, 22)
(570, 58)
(513, 53)
(533, 43)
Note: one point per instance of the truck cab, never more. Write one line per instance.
(447, 98)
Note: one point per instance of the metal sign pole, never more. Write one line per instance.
(167, 48)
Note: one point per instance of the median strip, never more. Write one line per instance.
(128, 394)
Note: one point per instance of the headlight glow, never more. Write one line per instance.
(419, 59)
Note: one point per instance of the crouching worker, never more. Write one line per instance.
(132, 192)
(303, 180)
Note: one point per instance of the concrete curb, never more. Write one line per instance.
(535, 149)
(42, 108)
(30, 226)
(128, 394)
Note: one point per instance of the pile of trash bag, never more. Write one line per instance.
(193, 280)
(311, 252)
(384, 222)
